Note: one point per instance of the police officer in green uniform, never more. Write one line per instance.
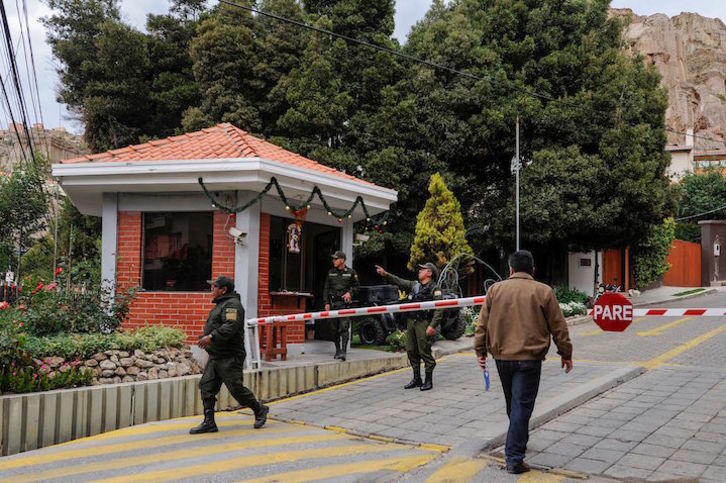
(420, 326)
(224, 341)
(341, 286)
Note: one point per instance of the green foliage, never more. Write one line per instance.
(688, 231)
(649, 257)
(472, 316)
(51, 309)
(700, 193)
(84, 346)
(573, 308)
(30, 379)
(566, 295)
(396, 341)
(440, 232)
(23, 208)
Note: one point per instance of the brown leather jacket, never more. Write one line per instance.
(517, 320)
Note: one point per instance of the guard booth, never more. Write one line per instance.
(181, 210)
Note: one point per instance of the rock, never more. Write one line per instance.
(153, 374)
(98, 371)
(143, 364)
(127, 379)
(123, 354)
(108, 353)
(163, 374)
(159, 360)
(91, 363)
(107, 365)
(107, 373)
(172, 372)
(88, 369)
(126, 362)
(99, 357)
(116, 380)
(54, 362)
(52, 374)
(183, 369)
(133, 371)
(142, 376)
(188, 353)
(689, 51)
(105, 380)
(114, 359)
(120, 371)
(38, 362)
(64, 368)
(139, 354)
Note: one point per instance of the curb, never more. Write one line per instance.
(580, 319)
(559, 405)
(676, 299)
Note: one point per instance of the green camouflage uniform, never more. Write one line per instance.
(418, 345)
(225, 325)
(337, 283)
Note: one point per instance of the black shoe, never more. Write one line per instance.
(428, 383)
(261, 417)
(415, 382)
(519, 468)
(337, 354)
(207, 426)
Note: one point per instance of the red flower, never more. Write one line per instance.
(4, 306)
(51, 286)
(58, 271)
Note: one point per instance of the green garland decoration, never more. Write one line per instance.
(289, 205)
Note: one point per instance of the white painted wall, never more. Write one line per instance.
(582, 277)
(681, 163)
(109, 243)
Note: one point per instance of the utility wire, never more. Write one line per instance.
(418, 60)
(16, 77)
(701, 214)
(27, 64)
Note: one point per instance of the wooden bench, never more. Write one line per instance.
(275, 340)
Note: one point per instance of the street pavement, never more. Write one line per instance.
(645, 404)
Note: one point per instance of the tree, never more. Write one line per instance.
(649, 256)
(699, 193)
(440, 232)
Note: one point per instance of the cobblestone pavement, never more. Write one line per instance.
(668, 424)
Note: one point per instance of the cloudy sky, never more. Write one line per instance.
(408, 12)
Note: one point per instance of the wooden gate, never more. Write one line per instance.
(685, 261)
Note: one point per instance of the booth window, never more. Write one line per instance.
(177, 251)
(286, 260)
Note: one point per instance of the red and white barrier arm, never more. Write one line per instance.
(721, 312)
(379, 309)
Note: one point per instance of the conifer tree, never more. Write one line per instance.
(440, 232)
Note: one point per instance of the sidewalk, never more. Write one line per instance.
(664, 295)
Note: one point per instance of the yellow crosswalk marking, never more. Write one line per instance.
(662, 328)
(666, 356)
(402, 465)
(193, 452)
(240, 462)
(540, 477)
(133, 445)
(458, 469)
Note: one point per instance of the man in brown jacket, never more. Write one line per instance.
(515, 325)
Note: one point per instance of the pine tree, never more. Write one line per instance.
(440, 232)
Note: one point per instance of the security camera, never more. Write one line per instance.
(238, 235)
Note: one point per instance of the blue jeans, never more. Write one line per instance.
(520, 381)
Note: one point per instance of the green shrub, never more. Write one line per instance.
(471, 314)
(566, 295)
(396, 341)
(650, 256)
(83, 346)
(30, 379)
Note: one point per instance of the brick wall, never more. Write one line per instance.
(184, 310)
(267, 305)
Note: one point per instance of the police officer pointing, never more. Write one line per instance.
(341, 285)
(224, 341)
(421, 326)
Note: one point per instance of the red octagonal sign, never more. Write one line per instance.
(613, 312)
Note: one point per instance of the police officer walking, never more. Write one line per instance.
(224, 341)
(341, 286)
(421, 326)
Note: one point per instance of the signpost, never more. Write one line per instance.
(613, 312)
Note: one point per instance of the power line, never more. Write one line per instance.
(32, 61)
(701, 214)
(25, 56)
(16, 77)
(417, 59)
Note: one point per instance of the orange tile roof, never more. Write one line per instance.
(221, 141)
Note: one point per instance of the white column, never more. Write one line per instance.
(109, 242)
(247, 256)
(346, 240)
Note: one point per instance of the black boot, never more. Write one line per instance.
(261, 416)
(337, 347)
(208, 425)
(416, 381)
(429, 382)
(343, 346)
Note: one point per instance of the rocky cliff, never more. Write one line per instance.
(690, 52)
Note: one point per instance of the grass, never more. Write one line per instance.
(688, 292)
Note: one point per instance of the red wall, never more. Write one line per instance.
(184, 310)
